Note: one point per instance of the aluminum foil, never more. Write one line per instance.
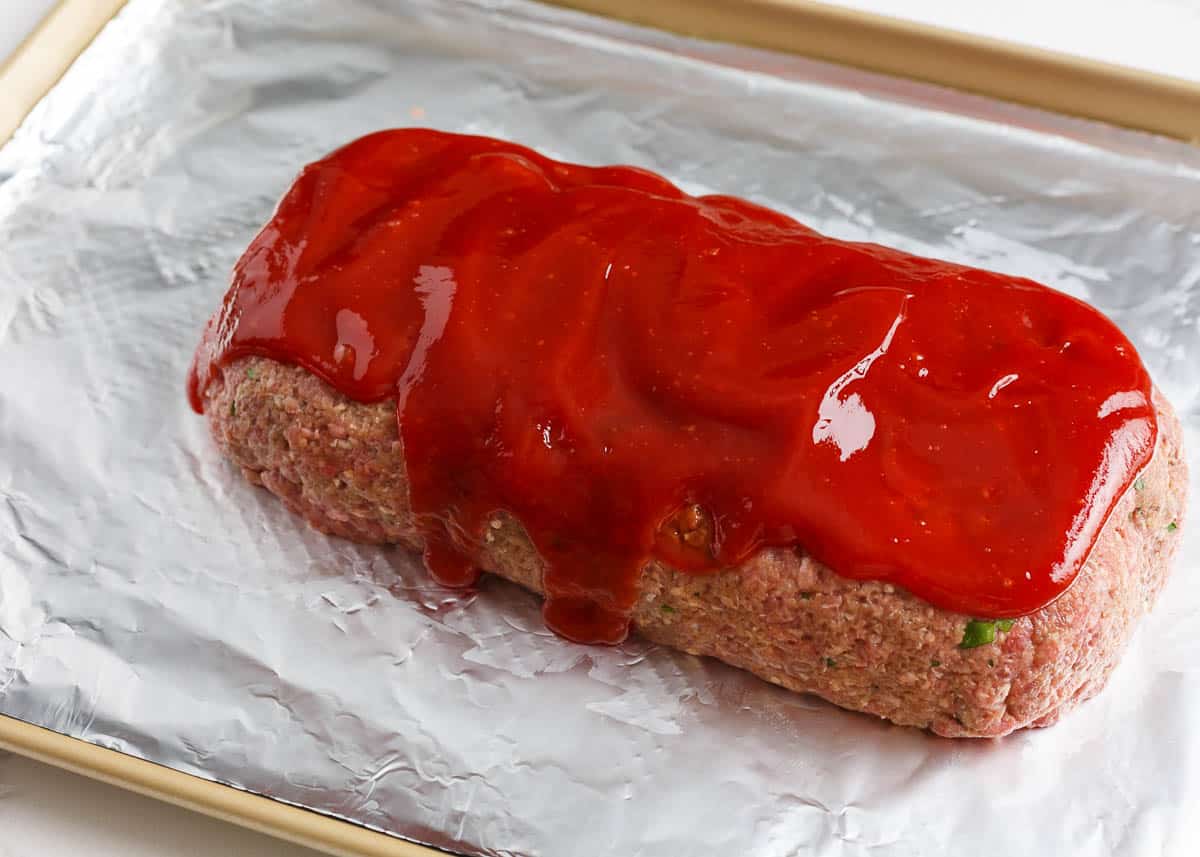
(153, 602)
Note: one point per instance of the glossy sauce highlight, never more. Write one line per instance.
(606, 357)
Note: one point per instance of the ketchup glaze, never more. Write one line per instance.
(637, 374)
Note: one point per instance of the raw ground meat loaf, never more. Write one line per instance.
(867, 646)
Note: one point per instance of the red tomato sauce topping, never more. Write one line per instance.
(637, 374)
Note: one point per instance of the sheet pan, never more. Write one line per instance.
(153, 603)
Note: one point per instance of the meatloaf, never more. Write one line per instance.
(863, 645)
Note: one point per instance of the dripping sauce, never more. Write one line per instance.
(603, 356)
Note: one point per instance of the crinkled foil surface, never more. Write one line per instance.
(153, 602)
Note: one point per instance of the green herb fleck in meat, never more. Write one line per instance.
(666, 608)
(979, 632)
(805, 596)
(1139, 484)
(830, 662)
(935, 663)
(250, 372)
(1172, 527)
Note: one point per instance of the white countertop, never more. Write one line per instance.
(18, 20)
(1162, 36)
(44, 811)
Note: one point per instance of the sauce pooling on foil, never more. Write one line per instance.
(637, 374)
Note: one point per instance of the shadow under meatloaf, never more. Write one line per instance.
(863, 645)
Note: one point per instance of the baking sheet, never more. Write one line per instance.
(152, 602)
